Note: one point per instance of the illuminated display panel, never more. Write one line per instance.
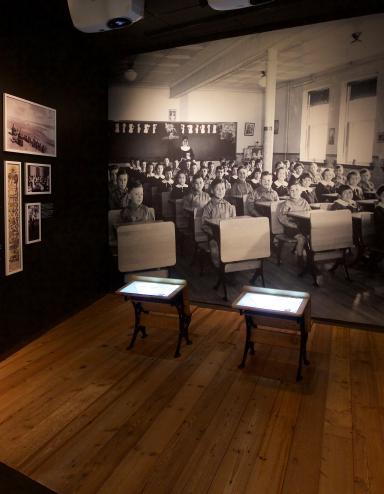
(151, 289)
(270, 302)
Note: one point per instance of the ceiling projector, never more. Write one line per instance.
(94, 16)
(236, 4)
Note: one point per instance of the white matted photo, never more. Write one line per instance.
(13, 218)
(32, 222)
(37, 178)
(29, 127)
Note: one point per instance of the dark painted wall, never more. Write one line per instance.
(67, 269)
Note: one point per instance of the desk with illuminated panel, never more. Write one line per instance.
(142, 290)
(288, 310)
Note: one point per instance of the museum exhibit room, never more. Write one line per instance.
(192, 247)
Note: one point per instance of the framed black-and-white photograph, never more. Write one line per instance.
(171, 115)
(331, 136)
(249, 129)
(37, 178)
(276, 125)
(13, 218)
(29, 128)
(32, 222)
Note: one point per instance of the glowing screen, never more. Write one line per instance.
(270, 302)
(149, 288)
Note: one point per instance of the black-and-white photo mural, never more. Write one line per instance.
(284, 125)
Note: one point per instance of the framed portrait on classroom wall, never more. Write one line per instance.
(37, 178)
(249, 129)
(29, 128)
(32, 222)
(13, 218)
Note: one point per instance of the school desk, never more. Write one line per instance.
(171, 292)
(285, 310)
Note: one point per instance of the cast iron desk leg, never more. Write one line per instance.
(303, 349)
(249, 345)
(184, 321)
(138, 327)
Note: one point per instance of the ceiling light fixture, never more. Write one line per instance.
(262, 82)
(130, 74)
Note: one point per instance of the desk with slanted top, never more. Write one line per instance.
(288, 310)
(146, 289)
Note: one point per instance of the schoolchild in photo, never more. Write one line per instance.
(353, 180)
(325, 186)
(345, 200)
(134, 210)
(217, 208)
(180, 187)
(308, 192)
(197, 197)
(241, 186)
(118, 195)
(280, 185)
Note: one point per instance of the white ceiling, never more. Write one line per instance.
(236, 63)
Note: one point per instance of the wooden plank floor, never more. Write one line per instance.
(81, 414)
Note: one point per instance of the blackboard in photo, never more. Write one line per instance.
(32, 222)
(29, 128)
(37, 179)
(154, 140)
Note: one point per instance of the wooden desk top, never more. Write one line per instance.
(300, 214)
(331, 194)
(367, 201)
(216, 221)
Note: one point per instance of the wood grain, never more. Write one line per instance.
(81, 414)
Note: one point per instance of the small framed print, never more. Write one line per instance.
(249, 129)
(276, 126)
(171, 115)
(331, 136)
(29, 127)
(37, 179)
(32, 222)
(13, 218)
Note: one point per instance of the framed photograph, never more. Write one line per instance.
(331, 136)
(380, 137)
(37, 179)
(32, 222)
(171, 115)
(13, 218)
(29, 128)
(249, 129)
(276, 127)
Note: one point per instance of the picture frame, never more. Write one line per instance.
(32, 222)
(249, 129)
(29, 127)
(276, 126)
(13, 218)
(380, 137)
(172, 115)
(331, 136)
(37, 179)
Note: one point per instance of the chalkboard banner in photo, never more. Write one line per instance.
(156, 140)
